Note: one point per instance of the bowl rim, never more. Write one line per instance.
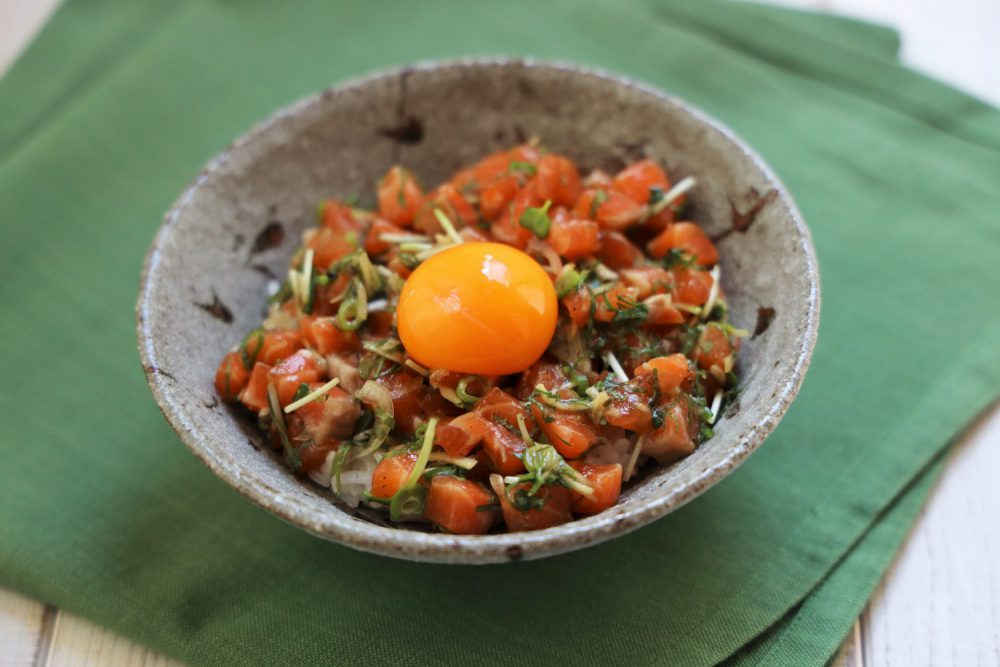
(339, 525)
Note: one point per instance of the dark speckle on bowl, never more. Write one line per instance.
(269, 237)
(264, 270)
(764, 316)
(322, 147)
(410, 131)
(515, 552)
(217, 309)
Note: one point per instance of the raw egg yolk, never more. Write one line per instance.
(483, 308)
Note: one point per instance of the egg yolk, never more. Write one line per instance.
(483, 308)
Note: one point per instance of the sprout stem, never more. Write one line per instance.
(446, 225)
(312, 396)
(615, 366)
(673, 193)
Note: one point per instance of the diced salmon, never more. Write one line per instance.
(406, 391)
(691, 286)
(507, 229)
(323, 336)
(636, 180)
(338, 217)
(374, 245)
(619, 297)
(574, 239)
(461, 435)
(714, 348)
(392, 472)
(569, 433)
(328, 246)
(577, 305)
(554, 511)
(451, 203)
(628, 406)
(675, 438)
(494, 197)
(558, 180)
(616, 251)
(303, 367)
(399, 196)
(231, 377)
(458, 506)
(605, 480)
(671, 372)
(612, 210)
(688, 237)
(502, 450)
(254, 395)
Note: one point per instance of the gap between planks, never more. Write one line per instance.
(47, 635)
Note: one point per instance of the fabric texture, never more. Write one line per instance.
(102, 511)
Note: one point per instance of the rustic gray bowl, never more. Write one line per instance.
(204, 280)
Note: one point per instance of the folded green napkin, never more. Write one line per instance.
(102, 511)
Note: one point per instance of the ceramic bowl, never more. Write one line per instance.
(234, 229)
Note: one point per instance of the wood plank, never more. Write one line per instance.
(20, 20)
(954, 41)
(941, 603)
(79, 643)
(20, 629)
(851, 653)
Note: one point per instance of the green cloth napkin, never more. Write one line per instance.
(102, 511)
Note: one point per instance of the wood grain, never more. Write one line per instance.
(940, 602)
(20, 20)
(80, 643)
(20, 630)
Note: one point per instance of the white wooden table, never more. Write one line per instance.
(940, 602)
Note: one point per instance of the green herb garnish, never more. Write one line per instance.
(251, 347)
(545, 466)
(408, 504)
(599, 198)
(339, 459)
(301, 392)
(409, 501)
(537, 219)
(578, 379)
(400, 196)
(382, 426)
(462, 390)
(567, 282)
(677, 258)
(526, 168)
(658, 417)
(656, 194)
(292, 457)
(353, 309)
(630, 313)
